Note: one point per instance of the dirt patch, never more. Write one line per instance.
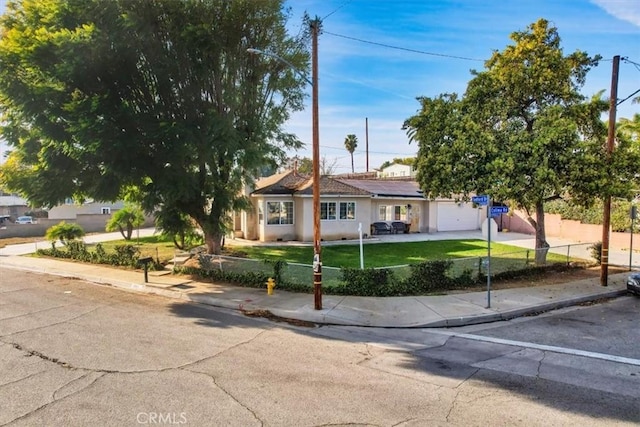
(549, 277)
(6, 241)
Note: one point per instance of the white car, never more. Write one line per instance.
(25, 220)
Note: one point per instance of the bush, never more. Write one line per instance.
(365, 282)
(429, 276)
(596, 252)
(64, 232)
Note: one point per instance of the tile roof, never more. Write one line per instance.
(282, 183)
(292, 183)
(330, 186)
(389, 188)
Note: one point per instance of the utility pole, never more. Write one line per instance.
(317, 259)
(606, 221)
(366, 137)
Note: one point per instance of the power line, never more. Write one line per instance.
(422, 52)
(338, 8)
(620, 102)
(625, 59)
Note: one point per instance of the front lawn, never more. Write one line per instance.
(380, 254)
(411, 268)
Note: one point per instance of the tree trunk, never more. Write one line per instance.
(352, 168)
(213, 242)
(542, 247)
(124, 236)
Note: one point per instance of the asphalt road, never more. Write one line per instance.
(78, 354)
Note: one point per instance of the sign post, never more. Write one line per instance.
(485, 200)
(489, 216)
(634, 215)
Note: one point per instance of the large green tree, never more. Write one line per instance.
(155, 94)
(522, 132)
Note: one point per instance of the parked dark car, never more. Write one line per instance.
(380, 228)
(633, 283)
(400, 227)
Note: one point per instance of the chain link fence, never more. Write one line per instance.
(503, 262)
(477, 266)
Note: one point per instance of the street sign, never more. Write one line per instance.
(480, 200)
(498, 210)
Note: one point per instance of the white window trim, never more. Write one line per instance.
(355, 210)
(337, 214)
(279, 224)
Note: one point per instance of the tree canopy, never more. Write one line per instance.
(160, 95)
(522, 132)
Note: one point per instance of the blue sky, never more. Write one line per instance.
(358, 80)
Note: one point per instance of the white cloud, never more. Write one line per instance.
(626, 10)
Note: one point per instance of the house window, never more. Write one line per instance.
(280, 213)
(260, 215)
(382, 213)
(348, 210)
(393, 213)
(328, 211)
(400, 213)
(105, 211)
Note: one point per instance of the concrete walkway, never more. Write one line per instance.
(422, 311)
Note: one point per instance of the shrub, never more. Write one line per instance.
(429, 276)
(278, 269)
(126, 255)
(365, 282)
(596, 252)
(65, 232)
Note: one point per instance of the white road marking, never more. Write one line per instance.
(542, 347)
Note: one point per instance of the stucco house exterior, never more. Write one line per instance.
(12, 205)
(397, 170)
(71, 209)
(283, 208)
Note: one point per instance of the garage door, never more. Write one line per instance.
(457, 217)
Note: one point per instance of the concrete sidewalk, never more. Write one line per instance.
(421, 311)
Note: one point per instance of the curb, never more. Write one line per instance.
(319, 318)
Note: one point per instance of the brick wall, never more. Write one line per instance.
(568, 229)
(91, 223)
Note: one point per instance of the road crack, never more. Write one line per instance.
(71, 319)
(223, 350)
(54, 399)
(544, 355)
(225, 391)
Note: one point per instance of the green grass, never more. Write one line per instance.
(155, 246)
(466, 255)
(379, 254)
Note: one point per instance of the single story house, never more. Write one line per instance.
(70, 209)
(12, 205)
(283, 208)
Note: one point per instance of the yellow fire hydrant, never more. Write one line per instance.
(270, 285)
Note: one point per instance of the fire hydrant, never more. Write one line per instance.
(270, 285)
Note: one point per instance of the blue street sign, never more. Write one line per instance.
(480, 200)
(497, 210)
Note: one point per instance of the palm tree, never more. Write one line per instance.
(351, 142)
(630, 127)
